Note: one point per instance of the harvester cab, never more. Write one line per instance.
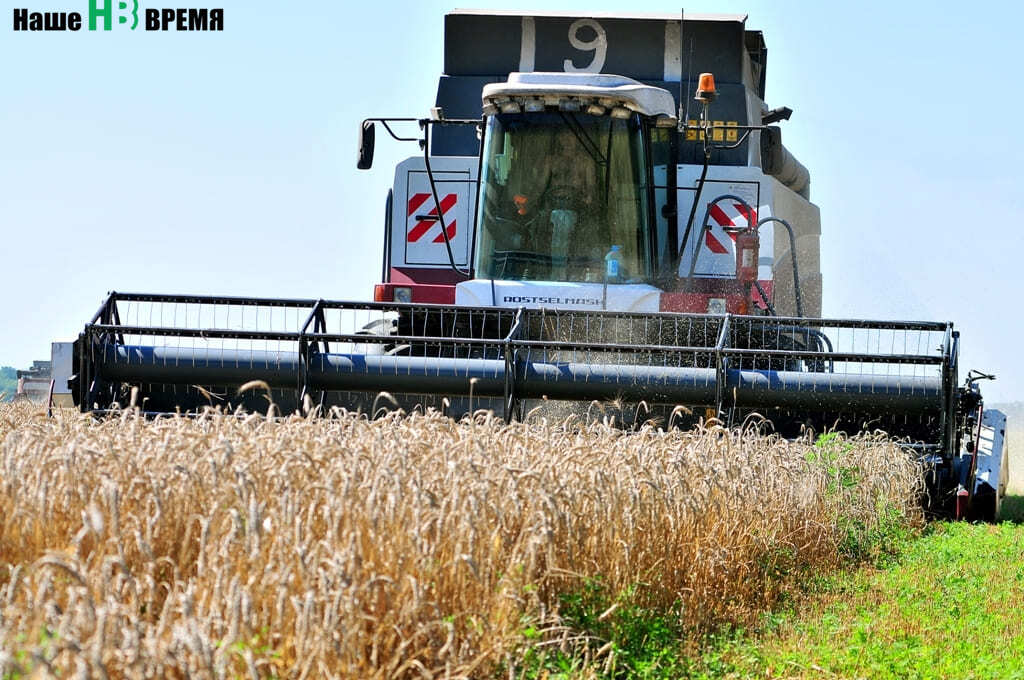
(587, 189)
(595, 222)
(565, 206)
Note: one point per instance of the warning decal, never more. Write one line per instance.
(418, 217)
(727, 214)
(423, 224)
(716, 251)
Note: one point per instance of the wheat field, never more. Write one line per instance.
(401, 547)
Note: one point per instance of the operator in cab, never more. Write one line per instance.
(559, 190)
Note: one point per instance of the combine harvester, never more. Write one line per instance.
(577, 229)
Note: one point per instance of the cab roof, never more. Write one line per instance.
(597, 88)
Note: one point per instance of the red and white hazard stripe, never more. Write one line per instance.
(734, 215)
(420, 228)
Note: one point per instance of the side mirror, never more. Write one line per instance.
(772, 153)
(775, 115)
(366, 139)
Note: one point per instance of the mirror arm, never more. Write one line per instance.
(394, 135)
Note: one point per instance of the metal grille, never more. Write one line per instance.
(180, 349)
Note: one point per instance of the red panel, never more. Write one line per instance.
(697, 303)
(425, 293)
(438, 276)
(714, 287)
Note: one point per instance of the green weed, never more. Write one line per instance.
(948, 606)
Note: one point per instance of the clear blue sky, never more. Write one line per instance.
(225, 162)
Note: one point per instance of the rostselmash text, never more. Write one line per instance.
(545, 300)
(103, 15)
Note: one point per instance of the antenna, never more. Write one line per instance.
(689, 76)
(682, 20)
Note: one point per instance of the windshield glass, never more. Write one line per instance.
(558, 191)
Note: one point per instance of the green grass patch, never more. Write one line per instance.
(612, 636)
(950, 606)
(945, 604)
